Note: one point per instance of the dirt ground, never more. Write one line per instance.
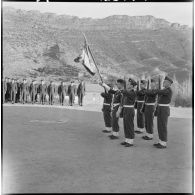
(56, 150)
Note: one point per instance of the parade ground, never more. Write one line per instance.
(53, 150)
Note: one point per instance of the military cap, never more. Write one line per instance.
(133, 82)
(121, 81)
(168, 79)
(143, 81)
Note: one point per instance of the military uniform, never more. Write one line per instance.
(33, 92)
(42, 89)
(4, 89)
(51, 92)
(71, 93)
(24, 89)
(163, 112)
(8, 92)
(129, 97)
(13, 92)
(107, 111)
(62, 93)
(115, 106)
(140, 116)
(81, 93)
(150, 103)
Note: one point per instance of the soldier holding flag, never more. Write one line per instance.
(107, 109)
(115, 105)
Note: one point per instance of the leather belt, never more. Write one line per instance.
(150, 104)
(106, 104)
(128, 106)
(117, 104)
(163, 105)
(140, 101)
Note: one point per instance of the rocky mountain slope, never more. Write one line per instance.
(39, 44)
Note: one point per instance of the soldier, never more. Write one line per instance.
(33, 91)
(163, 112)
(127, 105)
(51, 92)
(42, 90)
(71, 93)
(107, 110)
(24, 89)
(81, 92)
(8, 92)
(150, 102)
(140, 101)
(13, 91)
(4, 88)
(115, 105)
(18, 93)
(62, 92)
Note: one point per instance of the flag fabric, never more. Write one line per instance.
(87, 60)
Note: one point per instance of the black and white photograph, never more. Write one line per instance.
(97, 97)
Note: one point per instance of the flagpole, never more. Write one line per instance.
(93, 57)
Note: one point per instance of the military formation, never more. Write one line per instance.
(150, 98)
(15, 91)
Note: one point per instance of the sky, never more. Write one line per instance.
(172, 12)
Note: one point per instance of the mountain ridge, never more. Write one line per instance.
(121, 44)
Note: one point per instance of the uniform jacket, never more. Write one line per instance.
(14, 87)
(128, 97)
(165, 95)
(62, 89)
(140, 95)
(51, 89)
(71, 90)
(33, 88)
(42, 88)
(81, 89)
(24, 87)
(117, 96)
(151, 96)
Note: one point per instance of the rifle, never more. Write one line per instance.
(159, 87)
(148, 87)
(138, 88)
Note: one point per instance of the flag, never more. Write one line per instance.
(87, 60)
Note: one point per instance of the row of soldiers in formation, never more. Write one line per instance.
(15, 91)
(149, 102)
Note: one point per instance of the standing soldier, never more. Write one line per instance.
(13, 91)
(33, 91)
(71, 93)
(81, 92)
(150, 102)
(127, 105)
(18, 90)
(115, 105)
(24, 91)
(140, 101)
(8, 92)
(51, 92)
(62, 92)
(163, 112)
(4, 88)
(42, 90)
(107, 110)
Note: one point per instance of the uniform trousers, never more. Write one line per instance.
(149, 118)
(107, 115)
(162, 119)
(115, 125)
(140, 115)
(128, 122)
